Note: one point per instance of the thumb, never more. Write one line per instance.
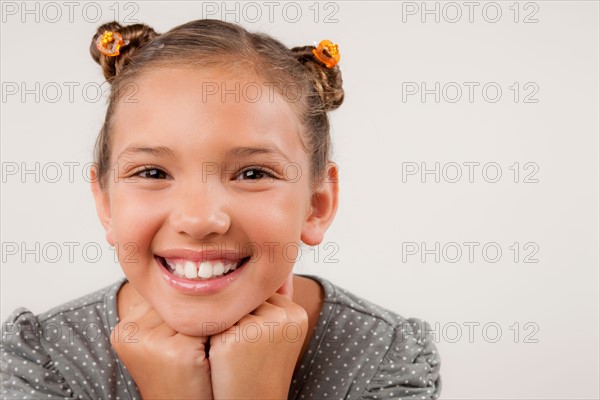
(287, 289)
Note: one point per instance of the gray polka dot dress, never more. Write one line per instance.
(358, 350)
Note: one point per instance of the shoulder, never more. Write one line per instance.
(72, 310)
(386, 354)
(347, 305)
(27, 368)
(54, 353)
(49, 327)
(83, 324)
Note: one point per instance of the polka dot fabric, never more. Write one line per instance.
(65, 352)
(358, 350)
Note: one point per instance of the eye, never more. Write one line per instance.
(152, 173)
(254, 174)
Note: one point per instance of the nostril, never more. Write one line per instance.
(200, 222)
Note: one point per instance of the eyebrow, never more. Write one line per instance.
(247, 151)
(159, 151)
(236, 152)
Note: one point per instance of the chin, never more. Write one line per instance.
(198, 324)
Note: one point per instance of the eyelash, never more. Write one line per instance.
(259, 169)
(148, 168)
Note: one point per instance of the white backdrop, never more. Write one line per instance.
(468, 154)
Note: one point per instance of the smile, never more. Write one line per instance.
(201, 271)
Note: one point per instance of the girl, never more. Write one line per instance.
(212, 166)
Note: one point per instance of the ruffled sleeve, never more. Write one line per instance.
(27, 371)
(411, 367)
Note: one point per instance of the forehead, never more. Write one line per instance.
(202, 107)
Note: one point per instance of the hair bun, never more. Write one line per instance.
(327, 81)
(136, 35)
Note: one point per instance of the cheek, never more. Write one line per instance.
(134, 223)
(273, 226)
(276, 217)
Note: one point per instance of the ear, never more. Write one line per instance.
(324, 205)
(102, 200)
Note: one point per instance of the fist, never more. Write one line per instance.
(256, 357)
(165, 364)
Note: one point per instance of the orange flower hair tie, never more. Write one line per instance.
(328, 53)
(110, 43)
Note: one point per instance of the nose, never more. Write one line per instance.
(199, 211)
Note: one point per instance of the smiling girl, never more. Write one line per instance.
(212, 166)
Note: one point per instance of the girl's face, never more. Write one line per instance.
(204, 169)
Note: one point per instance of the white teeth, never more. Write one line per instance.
(205, 270)
(218, 269)
(190, 270)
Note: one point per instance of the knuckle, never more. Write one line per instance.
(171, 351)
(202, 363)
(280, 314)
(298, 314)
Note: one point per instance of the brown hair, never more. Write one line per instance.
(207, 43)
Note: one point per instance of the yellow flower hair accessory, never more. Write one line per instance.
(110, 43)
(328, 53)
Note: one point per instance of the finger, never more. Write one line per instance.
(287, 289)
(279, 300)
(150, 320)
(197, 341)
(292, 309)
(163, 330)
(226, 334)
(137, 311)
(265, 308)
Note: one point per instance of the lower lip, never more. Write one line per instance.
(205, 287)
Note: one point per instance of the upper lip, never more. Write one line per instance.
(201, 255)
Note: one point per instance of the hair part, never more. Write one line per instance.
(212, 43)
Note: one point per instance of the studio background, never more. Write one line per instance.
(519, 324)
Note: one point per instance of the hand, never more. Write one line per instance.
(256, 357)
(165, 364)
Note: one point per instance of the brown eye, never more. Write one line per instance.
(254, 174)
(152, 173)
